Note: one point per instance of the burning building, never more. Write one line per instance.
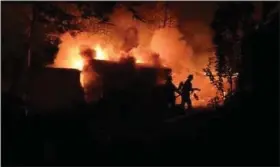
(116, 82)
(149, 46)
(125, 76)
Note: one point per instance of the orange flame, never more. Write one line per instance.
(74, 61)
(100, 54)
(78, 64)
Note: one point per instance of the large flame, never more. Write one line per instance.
(100, 54)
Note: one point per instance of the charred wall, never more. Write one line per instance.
(130, 87)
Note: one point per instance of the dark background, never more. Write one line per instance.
(243, 132)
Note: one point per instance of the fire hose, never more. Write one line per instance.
(194, 95)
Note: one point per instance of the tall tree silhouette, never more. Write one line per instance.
(260, 45)
(232, 20)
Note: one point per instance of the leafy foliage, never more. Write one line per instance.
(218, 82)
(92, 17)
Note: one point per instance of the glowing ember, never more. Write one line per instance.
(225, 93)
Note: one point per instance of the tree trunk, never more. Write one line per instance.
(32, 23)
(28, 60)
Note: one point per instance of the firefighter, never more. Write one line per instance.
(186, 90)
(170, 92)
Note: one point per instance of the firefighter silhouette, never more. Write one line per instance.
(186, 90)
(170, 90)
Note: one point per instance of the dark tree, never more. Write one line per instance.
(261, 45)
(232, 20)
